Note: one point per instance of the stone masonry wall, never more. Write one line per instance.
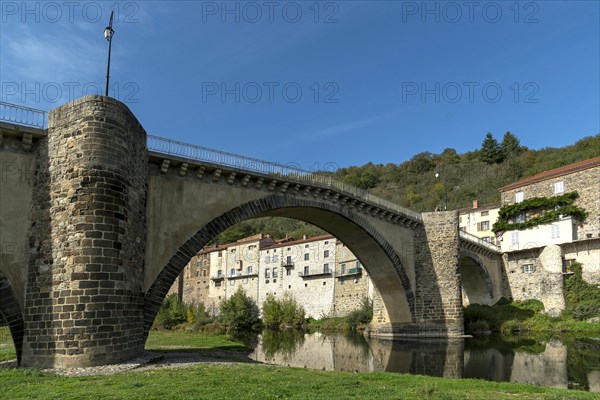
(84, 301)
(438, 307)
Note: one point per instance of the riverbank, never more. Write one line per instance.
(187, 365)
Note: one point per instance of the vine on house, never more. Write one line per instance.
(561, 205)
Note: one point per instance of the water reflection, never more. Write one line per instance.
(552, 363)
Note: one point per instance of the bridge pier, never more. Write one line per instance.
(438, 299)
(84, 298)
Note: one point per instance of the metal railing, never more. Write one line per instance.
(286, 173)
(475, 239)
(22, 115)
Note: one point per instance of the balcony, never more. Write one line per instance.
(350, 272)
(242, 275)
(287, 264)
(217, 277)
(313, 273)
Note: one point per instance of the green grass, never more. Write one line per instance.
(7, 348)
(255, 381)
(246, 381)
(164, 340)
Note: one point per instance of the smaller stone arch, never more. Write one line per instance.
(476, 282)
(11, 310)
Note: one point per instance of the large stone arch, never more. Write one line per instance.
(11, 310)
(476, 281)
(377, 255)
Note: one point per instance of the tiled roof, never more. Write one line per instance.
(553, 173)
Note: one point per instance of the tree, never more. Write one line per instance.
(511, 147)
(239, 312)
(491, 151)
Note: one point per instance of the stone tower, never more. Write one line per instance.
(84, 299)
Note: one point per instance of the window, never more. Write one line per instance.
(288, 260)
(232, 272)
(267, 273)
(306, 270)
(519, 197)
(515, 238)
(220, 254)
(218, 283)
(520, 218)
(219, 272)
(357, 264)
(343, 269)
(528, 268)
(267, 259)
(555, 231)
(326, 242)
(289, 249)
(275, 258)
(463, 228)
(486, 239)
(559, 187)
(288, 272)
(198, 263)
(306, 257)
(249, 269)
(275, 272)
(306, 246)
(485, 213)
(567, 265)
(483, 226)
(326, 253)
(325, 268)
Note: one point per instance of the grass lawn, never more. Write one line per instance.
(254, 381)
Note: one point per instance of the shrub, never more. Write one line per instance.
(363, 315)
(171, 313)
(583, 299)
(286, 311)
(239, 312)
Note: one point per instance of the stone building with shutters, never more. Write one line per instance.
(537, 258)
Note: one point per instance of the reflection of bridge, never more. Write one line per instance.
(98, 220)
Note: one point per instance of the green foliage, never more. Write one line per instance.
(287, 311)
(277, 227)
(511, 147)
(171, 313)
(556, 206)
(363, 315)
(491, 151)
(582, 299)
(239, 312)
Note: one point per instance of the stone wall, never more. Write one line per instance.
(84, 301)
(544, 282)
(438, 289)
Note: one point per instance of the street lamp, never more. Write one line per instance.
(108, 34)
(437, 175)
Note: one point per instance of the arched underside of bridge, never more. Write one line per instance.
(476, 282)
(11, 311)
(375, 253)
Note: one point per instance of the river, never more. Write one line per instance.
(561, 363)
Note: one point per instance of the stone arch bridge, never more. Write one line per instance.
(98, 219)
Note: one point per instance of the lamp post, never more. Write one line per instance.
(437, 175)
(108, 34)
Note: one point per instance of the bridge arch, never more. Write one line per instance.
(477, 284)
(11, 311)
(362, 238)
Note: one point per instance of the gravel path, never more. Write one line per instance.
(149, 361)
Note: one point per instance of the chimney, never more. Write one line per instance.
(475, 203)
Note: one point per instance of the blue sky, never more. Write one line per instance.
(319, 84)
